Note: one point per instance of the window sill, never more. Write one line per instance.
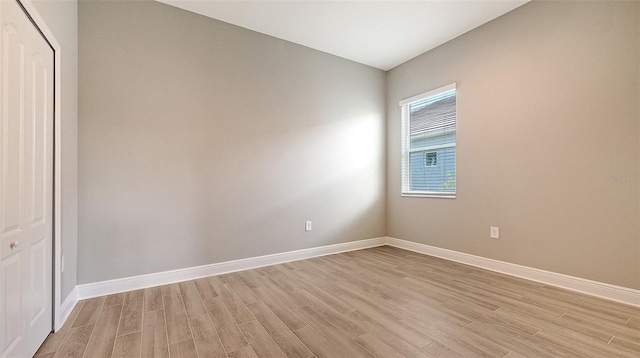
(429, 195)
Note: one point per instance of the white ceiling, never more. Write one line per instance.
(381, 34)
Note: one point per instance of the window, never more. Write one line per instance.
(429, 143)
(430, 159)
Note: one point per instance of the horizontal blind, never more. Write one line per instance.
(433, 115)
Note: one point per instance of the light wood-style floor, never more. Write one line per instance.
(380, 302)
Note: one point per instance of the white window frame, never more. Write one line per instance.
(407, 150)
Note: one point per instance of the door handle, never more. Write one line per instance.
(13, 244)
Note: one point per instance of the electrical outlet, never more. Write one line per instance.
(62, 264)
(307, 226)
(495, 232)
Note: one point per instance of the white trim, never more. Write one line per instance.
(68, 304)
(431, 148)
(406, 149)
(599, 289)
(426, 95)
(428, 194)
(102, 288)
(57, 160)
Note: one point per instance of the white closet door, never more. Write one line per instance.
(26, 160)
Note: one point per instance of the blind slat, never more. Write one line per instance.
(432, 115)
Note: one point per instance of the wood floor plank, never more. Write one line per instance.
(610, 306)
(229, 333)
(321, 281)
(369, 316)
(89, 312)
(128, 346)
(443, 293)
(184, 349)
(245, 352)
(104, 332)
(600, 330)
(318, 345)
(260, 341)
(132, 313)
(154, 335)
(438, 349)
(513, 354)
(205, 289)
(115, 299)
(626, 348)
(250, 278)
(381, 305)
(234, 305)
(522, 343)
(456, 338)
(480, 314)
(284, 313)
(289, 266)
(206, 338)
(291, 345)
(216, 282)
(75, 342)
(474, 343)
(563, 346)
(267, 319)
(551, 304)
(176, 317)
(54, 340)
(342, 322)
(382, 301)
(417, 307)
(191, 297)
(376, 347)
(328, 331)
(240, 288)
(576, 343)
(285, 295)
(325, 297)
(170, 289)
(566, 328)
(153, 299)
(403, 339)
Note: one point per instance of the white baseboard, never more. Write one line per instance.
(67, 306)
(102, 288)
(594, 288)
(611, 292)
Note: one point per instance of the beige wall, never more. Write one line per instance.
(202, 142)
(548, 113)
(61, 17)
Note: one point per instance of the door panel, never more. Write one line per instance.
(39, 88)
(12, 123)
(12, 181)
(26, 182)
(11, 290)
(38, 281)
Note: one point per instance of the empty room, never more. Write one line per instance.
(202, 178)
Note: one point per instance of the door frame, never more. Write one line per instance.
(39, 22)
